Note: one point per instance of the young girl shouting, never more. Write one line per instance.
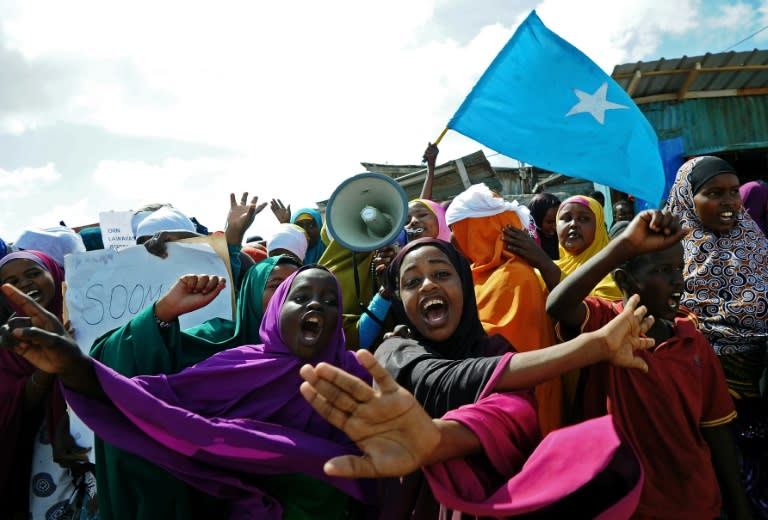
(676, 415)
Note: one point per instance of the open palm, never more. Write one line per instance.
(623, 335)
(389, 426)
(241, 216)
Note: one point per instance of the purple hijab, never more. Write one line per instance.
(239, 412)
(754, 196)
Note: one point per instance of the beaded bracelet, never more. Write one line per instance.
(162, 324)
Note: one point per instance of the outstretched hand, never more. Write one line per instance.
(623, 336)
(389, 426)
(652, 230)
(189, 293)
(241, 217)
(40, 337)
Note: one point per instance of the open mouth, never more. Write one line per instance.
(435, 311)
(727, 216)
(674, 301)
(312, 327)
(414, 232)
(34, 294)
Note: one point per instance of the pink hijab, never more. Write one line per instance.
(444, 232)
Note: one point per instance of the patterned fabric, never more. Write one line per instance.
(17, 425)
(58, 493)
(726, 275)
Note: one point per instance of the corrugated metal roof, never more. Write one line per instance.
(711, 75)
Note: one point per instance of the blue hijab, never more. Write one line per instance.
(314, 252)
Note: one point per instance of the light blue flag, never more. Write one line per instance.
(542, 101)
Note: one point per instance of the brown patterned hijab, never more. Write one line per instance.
(726, 274)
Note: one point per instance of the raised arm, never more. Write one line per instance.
(240, 217)
(281, 211)
(189, 293)
(616, 343)
(430, 156)
(649, 231)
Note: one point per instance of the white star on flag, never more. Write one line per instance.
(595, 104)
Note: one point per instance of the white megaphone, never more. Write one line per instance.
(366, 212)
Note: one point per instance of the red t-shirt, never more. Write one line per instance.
(661, 414)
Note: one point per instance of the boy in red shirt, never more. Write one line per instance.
(676, 414)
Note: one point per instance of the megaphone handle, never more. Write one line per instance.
(363, 306)
(356, 276)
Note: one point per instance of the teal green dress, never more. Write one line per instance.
(130, 487)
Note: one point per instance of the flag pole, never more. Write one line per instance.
(440, 137)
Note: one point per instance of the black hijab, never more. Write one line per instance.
(709, 166)
(443, 375)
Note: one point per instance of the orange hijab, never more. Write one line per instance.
(510, 299)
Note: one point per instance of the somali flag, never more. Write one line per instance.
(542, 101)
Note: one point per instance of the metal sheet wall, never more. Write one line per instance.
(712, 125)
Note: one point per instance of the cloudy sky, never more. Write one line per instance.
(111, 105)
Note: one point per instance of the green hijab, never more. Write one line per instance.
(223, 334)
(341, 262)
(130, 487)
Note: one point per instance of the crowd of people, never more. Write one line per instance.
(507, 360)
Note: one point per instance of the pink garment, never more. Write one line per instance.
(568, 470)
(444, 232)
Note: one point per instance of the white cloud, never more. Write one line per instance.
(302, 91)
(330, 77)
(613, 32)
(200, 188)
(74, 213)
(25, 181)
(762, 21)
(731, 16)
